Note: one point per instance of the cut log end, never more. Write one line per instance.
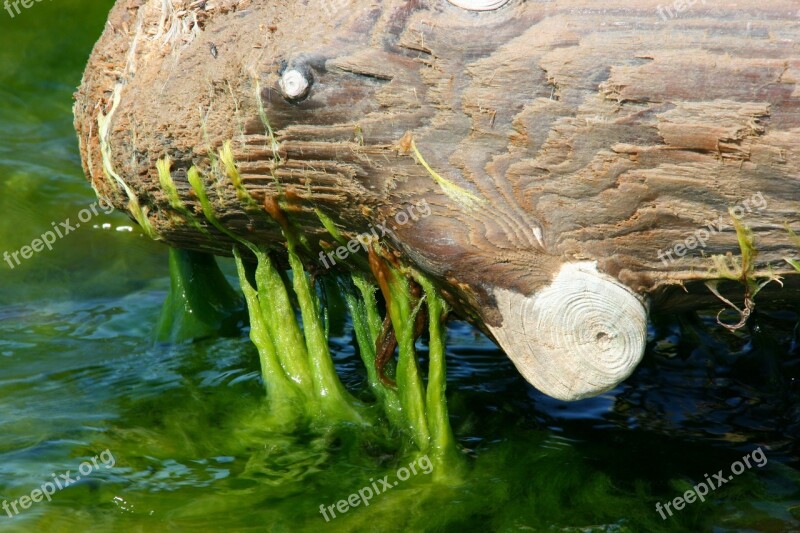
(600, 154)
(479, 5)
(579, 337)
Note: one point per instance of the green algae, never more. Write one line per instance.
(262, 114)
(302, 353)
(295, 361)
(453, 191)
(231, 171)
(196, 181)
(134, 207)
(277, 307)
(403, 312)
(360, 297)
(332, 396)
(421, 412)
(201, 303)
(424, 407)
(290, 330)
(742, 270)
(443, 443)
(287, 399)
(794, 263)
(164, 166)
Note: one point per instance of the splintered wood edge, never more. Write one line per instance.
(578, 337)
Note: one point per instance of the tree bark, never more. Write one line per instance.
(561, 138)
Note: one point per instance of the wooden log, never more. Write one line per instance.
(578, 158)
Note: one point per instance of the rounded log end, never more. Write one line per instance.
(479, 5)
(579, 337)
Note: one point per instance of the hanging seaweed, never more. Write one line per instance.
(290, 330)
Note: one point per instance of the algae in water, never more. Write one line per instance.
(289, 329)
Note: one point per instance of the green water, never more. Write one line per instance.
(190, 437)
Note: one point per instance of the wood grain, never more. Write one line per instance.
(605, 129)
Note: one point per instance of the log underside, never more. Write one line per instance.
(567, 132)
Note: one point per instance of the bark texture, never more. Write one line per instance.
(562, 131)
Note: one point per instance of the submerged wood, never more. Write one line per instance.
(604, 140)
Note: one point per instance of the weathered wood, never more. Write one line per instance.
(569, 131)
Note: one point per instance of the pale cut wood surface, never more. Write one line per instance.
(583, 130)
